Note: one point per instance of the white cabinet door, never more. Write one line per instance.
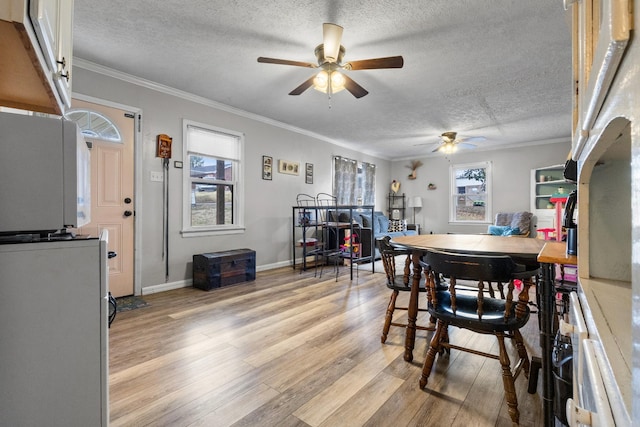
(44, 16)
(62, 78)
(52, 21)
(39, 74)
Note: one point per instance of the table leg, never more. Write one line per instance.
(546, 314)
(412, 310)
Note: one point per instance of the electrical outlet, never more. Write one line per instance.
(156, 176)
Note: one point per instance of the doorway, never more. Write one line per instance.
(111, 131)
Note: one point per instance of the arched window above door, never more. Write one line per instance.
(95, 125)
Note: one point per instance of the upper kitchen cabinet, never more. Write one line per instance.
(605, 144)
(36, 38)
(601, 32)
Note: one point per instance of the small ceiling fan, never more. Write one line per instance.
(450, 142)
(331, 79)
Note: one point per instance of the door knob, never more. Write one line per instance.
(127, 200)
(128, 213)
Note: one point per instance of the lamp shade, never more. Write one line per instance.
(415, 202)
(329, 81)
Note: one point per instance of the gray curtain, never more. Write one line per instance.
(344, 180)
(354, 183)
(368, 183)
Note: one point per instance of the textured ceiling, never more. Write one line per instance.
(501, 70)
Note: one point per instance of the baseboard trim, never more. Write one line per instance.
(166, 286)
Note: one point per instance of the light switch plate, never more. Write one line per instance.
(156, 176)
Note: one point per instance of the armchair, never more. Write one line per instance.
(513, 224)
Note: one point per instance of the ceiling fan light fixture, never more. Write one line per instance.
(337, 81)
(329, 81)
(448, 148)
(321, 81)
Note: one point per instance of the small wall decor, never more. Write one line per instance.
(267, 167)
(395, 186)
(163, 146)
(308, 173)
(415, 164)
(288, 167)
(431, 186)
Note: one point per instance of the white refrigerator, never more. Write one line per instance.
(54, 333)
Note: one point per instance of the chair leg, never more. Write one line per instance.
(522, 352)
(315, 266)
(388, 318)
(507, 381)
(434, 348)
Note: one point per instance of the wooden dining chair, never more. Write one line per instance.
(473, 311)
(388, 254)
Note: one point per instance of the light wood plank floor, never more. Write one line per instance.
(293, 350)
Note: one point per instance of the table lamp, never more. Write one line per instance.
(415, 202)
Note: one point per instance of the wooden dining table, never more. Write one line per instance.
(522, 249)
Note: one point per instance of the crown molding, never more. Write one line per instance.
(148, 84)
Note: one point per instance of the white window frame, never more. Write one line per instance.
(453, 192)
(237, 181)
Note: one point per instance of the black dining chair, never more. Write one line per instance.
(388, 254)
(308, 223)
(472, 310)
(327, 217)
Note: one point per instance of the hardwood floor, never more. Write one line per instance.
(293, 350)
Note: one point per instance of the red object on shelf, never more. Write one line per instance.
(546, 232)
(559, 202)
(309, 242)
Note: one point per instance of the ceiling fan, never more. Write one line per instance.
(331, 79)
(450, 142)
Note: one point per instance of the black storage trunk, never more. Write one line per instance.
(216, 269)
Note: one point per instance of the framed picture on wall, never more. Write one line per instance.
(288, 167)
(267, 167)
(308, 173)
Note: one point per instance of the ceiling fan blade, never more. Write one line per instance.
(332, 37)
(353, 87)
(375, 63)
(286, 62)
(472, 139)
(304, 86)
(466, 146)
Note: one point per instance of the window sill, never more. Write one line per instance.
(218, 232)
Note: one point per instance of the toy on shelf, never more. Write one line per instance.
(559, 199)
(351, 245)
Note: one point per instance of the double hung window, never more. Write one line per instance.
(470, 193)
(212, 179)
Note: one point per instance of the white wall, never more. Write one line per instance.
(511, 182)
(267, 203)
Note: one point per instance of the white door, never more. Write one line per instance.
(112, 179)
